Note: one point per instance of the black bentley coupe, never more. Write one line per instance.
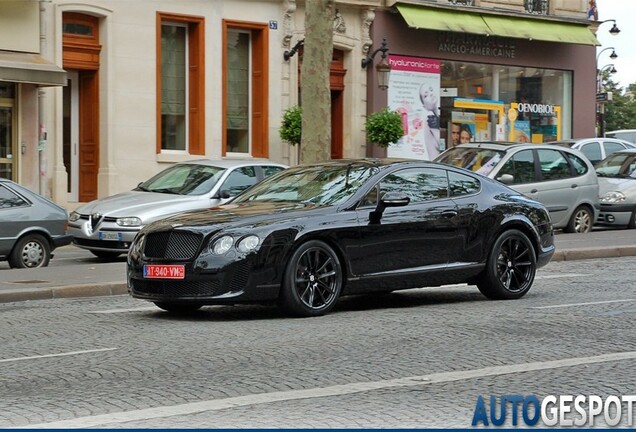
(312, 233)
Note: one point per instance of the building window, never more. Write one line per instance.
(245, 97)
(180, 84)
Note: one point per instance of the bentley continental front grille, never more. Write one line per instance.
(175, 245)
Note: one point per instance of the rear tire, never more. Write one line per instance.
(632, 221)
(581, 221)
(178, 308)
(312, 281)
(510, 269)
(30, 251)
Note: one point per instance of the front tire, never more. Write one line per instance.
(510, 269)
(30, 251)
(312, 281)
(581, 221)
(632, 221)
(178, 308)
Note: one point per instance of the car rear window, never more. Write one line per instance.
(480, 160)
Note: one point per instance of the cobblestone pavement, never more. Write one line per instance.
(115, 362)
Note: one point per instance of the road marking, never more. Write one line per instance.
(336, 390)
(582, 304)
(56, 355)
(137, 309)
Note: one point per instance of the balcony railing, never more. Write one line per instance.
(539, 7)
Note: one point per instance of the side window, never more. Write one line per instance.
(268, 170)
(554, 165)
(521, 167)
(612, 147)
(239, 180)
(592, 151)
(420, 184)
(461, 184)
(579, 165)
(9, 199)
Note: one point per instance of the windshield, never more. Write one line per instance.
(480, 160)
(320, 185)
(184, 179)
(618, 165)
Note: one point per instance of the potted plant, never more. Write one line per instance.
(291, 125)
(384, 127)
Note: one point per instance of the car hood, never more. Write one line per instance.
(624, 185)
(145, 205)
(237, 215)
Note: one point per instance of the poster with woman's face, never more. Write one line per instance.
(414, 92)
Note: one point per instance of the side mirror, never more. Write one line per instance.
(394, 199)
(222, 194)
(507, 179)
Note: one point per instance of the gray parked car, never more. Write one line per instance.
(595, 149)
(617, 183)
(31, 226)
(107, 226)
(560, 178)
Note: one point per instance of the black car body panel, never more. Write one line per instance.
(429, 243)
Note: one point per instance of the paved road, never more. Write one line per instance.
(414, 359)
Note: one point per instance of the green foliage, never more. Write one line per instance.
(291, 125)
(620, 112)
(384, 127)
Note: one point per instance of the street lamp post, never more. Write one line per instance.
(601, 103)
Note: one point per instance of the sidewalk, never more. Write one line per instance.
(90, 278)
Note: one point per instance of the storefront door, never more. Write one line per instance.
(71, 134)
(7, 142)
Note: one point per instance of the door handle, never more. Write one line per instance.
(534, 191)
(574, 186)
(449, 213)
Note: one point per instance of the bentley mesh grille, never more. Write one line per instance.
(174, 245)
(176, 289)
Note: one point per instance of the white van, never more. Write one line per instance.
(624, 134)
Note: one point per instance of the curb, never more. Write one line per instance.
(69, 291)
(590, 253)
(120, 288)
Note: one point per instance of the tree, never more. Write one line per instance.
(314, 86)
(620, 112)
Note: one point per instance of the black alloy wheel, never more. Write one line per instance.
(511, 267)
(313, 280)
(179, 308)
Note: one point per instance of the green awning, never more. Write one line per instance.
(30, 68)
(549, 31)
(496, 25)
(443, 19)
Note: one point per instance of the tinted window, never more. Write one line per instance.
(521, 167)
(592, 151)
(460, 184)
(239, 180)
(10, 199)
(579, 165)
(268, 170)
(554, 165)
(420, 184)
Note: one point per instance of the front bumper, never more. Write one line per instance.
(107, 236)
(616, 214)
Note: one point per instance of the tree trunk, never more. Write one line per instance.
(314, 87)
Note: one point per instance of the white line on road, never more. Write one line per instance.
(56, 355)
(336, 390)
(137, 309)
(582, 304)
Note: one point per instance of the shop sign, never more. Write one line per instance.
(535, 108)
(486, 46)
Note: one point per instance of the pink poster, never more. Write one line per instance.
(414, 92)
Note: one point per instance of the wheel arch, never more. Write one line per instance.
(523, 226)
(34, 230)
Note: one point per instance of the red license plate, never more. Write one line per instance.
(155, 271)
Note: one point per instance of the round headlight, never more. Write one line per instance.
(73, 216)
(222, 245)
(129, 221)
(248, 244)
(613, 197)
